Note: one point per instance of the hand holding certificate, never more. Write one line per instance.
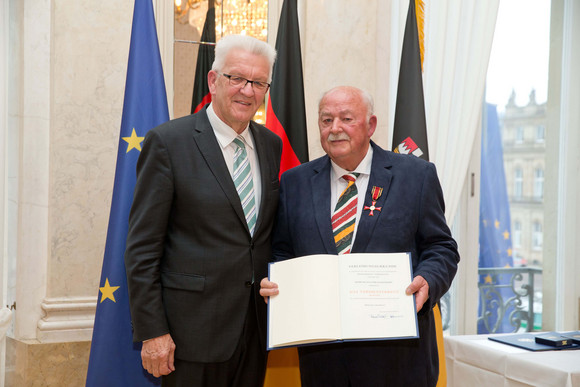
(325, 298)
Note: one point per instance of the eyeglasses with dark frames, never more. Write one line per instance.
(241, 82)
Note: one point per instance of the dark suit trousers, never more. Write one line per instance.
(246, 367)
(361, 364)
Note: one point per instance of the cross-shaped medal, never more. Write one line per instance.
(376, 194)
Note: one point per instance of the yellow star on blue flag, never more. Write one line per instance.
(107, 291)
(144, 107)
(134, 141)
(495, 245)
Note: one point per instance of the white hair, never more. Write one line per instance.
(245, 43)
(365, 96)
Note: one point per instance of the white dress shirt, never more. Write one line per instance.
(225, 136)
(338, 185)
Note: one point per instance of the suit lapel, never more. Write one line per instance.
(380, 177)
(210, 149)
(321, 202)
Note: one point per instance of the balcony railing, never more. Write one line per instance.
(528, 199)
(507, 292)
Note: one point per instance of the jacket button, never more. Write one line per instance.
(248, 284)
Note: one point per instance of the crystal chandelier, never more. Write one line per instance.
(245, 17)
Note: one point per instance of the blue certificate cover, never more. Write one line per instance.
(528, 341)
(574, 336)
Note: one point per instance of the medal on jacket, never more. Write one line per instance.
(376, 194)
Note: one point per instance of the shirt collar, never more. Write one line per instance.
(364, 167)
(224, 133)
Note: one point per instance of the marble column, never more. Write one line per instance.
(67, 67)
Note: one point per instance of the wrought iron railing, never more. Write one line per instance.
(507, 292)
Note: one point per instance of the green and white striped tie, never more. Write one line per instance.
(243, 180)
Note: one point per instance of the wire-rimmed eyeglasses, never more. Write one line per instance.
(241, 82)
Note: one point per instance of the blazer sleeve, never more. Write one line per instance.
(281, 243)
(438, 255)
(148, 221)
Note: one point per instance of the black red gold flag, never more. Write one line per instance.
(205, 57)
(286, 114)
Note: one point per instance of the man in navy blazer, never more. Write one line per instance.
(191, 255)
(406, 215)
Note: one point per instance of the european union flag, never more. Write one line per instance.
(495, 246)
(114, 359)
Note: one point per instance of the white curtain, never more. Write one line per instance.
(458, 38)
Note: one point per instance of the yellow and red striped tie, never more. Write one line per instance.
(344, 216)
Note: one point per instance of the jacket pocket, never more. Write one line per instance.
(191, 282)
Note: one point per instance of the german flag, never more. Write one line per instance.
(205, 58)
(286, 115)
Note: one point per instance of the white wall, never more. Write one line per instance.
(5, 313)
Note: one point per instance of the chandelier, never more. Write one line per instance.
(245, 17)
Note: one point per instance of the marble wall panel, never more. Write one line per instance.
(89, 61)
(30, 364)
(33, 128)
(341, 47)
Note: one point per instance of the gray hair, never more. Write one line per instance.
(365, 96)
(245, 43)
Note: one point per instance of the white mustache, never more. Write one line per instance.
(338, 137)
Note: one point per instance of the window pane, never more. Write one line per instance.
(517, 85)
(517, 234)
(518, 183)
(540, 133)
(537, 236)
(519, 135)
(538, 183)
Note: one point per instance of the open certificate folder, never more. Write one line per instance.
(325, 298)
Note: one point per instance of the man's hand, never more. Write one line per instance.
(420, 288)
(268, 289)
(157, 355)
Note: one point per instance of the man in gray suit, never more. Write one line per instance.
(199, 230)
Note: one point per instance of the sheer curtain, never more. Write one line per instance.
(458, 38)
